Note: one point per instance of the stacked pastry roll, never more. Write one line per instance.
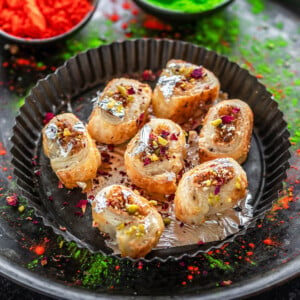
(120, 111)
(181, 89)
(155, 156)
(226, 131)
(72, 152)
(129, 217)
(211, 187)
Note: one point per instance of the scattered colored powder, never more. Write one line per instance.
(189, 6)
(282, 203)
(2, 149)
(41, 19)
(39, 250)
(217, 263)
(258, 6)
(269, 242)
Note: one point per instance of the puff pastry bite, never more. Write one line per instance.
(72, 152)
(209, 188)
(155, 156)
(226, 131)
(120, 111)
(181, 89)
(128, 217)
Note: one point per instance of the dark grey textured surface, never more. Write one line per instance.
(12, 291)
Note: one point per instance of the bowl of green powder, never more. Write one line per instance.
(181, 10)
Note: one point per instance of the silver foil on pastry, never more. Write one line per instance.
(168, 83)
(113, 107)
(51, 131)
(79, 127)
(143, 141)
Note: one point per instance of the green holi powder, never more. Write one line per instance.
(97, 270)
(258, 6)
(189, 6)
(217, 263)
(33, 264)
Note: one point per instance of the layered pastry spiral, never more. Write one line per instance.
(226, 131)
(128, 217)
(181, 89)
(72, 152)
(155, 156)
(120, 111)
(209, 188)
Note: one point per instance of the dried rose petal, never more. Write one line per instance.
(148, 75)
(227, 119)
(48, 117)
(197, 73)
(235, 110)
(82, 204)
(131, 91)
(146, 161)
(173, 137)
(165, 134)
(217, 190)
(12, 200)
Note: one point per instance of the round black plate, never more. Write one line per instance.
(73, 86)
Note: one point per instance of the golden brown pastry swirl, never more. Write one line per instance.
(181, 89)
(72, 152)
(128, 217)
(155, 156)
(209, 188)
(120, 111)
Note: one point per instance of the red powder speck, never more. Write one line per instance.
(251, 245)
(9, 177)
(183, 282)
(190, 277)
(282, 203)
(269, 242)
(114, 17)
(126, 5)
(249, 253)
(135, 12)
(39, 250)
(2, 149)
(259, 76)
(117, 267)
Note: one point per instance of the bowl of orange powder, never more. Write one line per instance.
(43, 21)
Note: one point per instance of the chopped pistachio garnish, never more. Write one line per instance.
(213, 199)
(153, 202)
(208, 182)
(238, 183)
(122, 90)
(121, 226)
(141, 228)
(130, 98)
(67, 132)
(216, 122)
(154, 157)
(154, 143)
(162, 141)
(132, 208)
